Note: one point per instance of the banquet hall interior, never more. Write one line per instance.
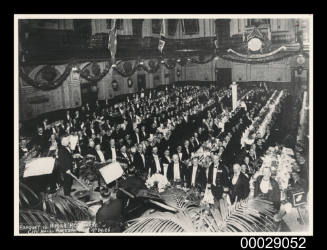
(163, 125)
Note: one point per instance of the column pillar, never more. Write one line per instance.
(234, 95)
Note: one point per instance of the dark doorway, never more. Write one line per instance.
(141, 82)
(224, 76)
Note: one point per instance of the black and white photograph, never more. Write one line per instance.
(160, 125)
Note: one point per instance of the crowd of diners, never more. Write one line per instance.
(161, 133)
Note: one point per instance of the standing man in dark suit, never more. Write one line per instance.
(111, 153)
(136, 136)
(240, 187)
(154, 163)
(176, 170)
(139, 159)
(195, 175)
(66, 165)
(218, 179)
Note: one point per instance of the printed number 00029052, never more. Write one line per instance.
(276, 242)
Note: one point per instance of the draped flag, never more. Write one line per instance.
(162, 36)
(112, 43)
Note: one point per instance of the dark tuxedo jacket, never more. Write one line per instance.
(108, 153)
(91, 151)
(241, 188)
(182, 171)
(216, 130)
(151, 164)
(222, 179)
(65, 159)
(164, 160)
(200, 179)
(134, 137)
(138, 162)
(192, 147)
(186, 155)
(143, 136)
(121, 158)
(97, 157)
(197, 145)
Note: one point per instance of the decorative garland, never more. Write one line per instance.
(97, 74)
(199, 61)
(126, 69)
(257, 56)
(277, 57)
(46, 85)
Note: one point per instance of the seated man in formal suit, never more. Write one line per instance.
(111, 152)
(240, 187)
(90, 151)
(123, 156)
(99, 154)
(40, 142)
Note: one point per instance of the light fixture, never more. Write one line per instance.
(178, 60)
(162, 61)
(75, 68)
(141, 62)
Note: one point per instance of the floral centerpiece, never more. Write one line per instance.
(280, 163)
(158, 181)
(207, 198)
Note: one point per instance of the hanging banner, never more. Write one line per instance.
(162, 39)
(112, 42)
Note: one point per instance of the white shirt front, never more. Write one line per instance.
(176, 172)
(180, 156)
(195, 168)
(156, 160)
(125, 155)
(265, 186)
(113, 153)
(235, 179)
(214, 175)
(143, 159)
(100, 154)
(137, 137)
